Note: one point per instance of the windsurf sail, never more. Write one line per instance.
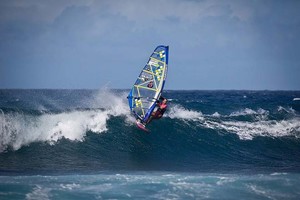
(149, 85)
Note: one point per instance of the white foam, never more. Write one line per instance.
(248, 111)
(70, 186)
(39, 193)
(296, 99)
(225, 180)
(181, 113)
(278, 173)
(248, 130)
(287, 110)
(17, 130)
(216, 114)
(260, 191)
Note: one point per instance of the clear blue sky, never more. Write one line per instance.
(88, 43)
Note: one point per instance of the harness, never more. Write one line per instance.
(162, 108)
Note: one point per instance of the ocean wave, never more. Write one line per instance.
(179, 112)
(216, 114)
(18, 129)
(249, 130)
(153, 185)
(38, 192)
(248, 111)
(246, 130)
(288, 110)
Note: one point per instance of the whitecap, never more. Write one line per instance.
(180, 112)
(216, 114)
(248, 111)
(17, 129)
(286, 110)
(38, 193)
(248, 130)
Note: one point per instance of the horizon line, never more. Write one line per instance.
(104, 88)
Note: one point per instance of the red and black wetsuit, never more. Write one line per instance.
(160, 110)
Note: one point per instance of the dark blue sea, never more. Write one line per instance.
(83, 144)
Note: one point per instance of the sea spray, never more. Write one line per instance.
(18, 129)
(179, 112)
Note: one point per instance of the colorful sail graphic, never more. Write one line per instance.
(149, 84)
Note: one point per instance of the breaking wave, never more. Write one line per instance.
(18, 128)
(246, 130)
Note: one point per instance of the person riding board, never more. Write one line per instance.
(161, 109)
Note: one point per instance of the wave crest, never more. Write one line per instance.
(248, 111)
(17, 129)
(180, 112)
(249, 130)
(246, 130)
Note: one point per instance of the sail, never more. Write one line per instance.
(149, 85)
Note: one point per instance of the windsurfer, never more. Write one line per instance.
(161, 109)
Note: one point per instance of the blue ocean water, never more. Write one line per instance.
(75, 144)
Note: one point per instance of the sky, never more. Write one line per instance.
(90, 44)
